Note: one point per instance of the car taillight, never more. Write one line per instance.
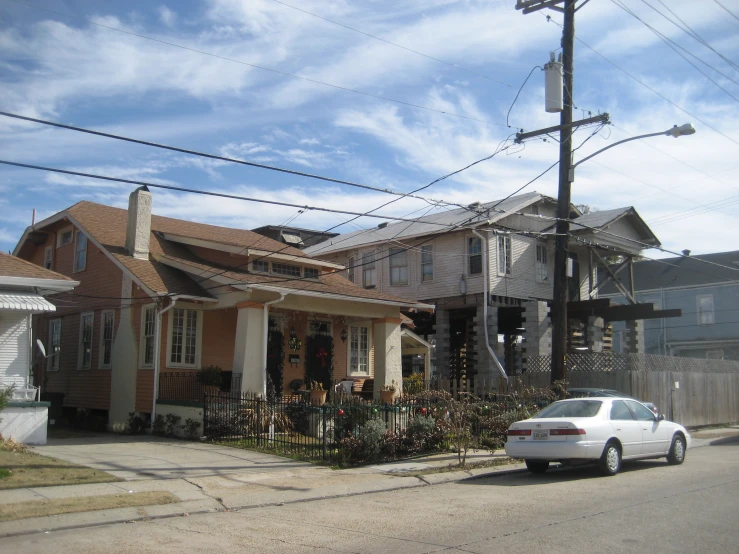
(518, 432)
(560, 432)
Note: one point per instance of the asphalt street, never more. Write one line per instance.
(649, 507)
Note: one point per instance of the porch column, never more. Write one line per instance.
(537, 337)
(248, 347)
(124, 362)
(442, 343)
(634, 337)
(388, 361)
(595, 334)
(487, 372)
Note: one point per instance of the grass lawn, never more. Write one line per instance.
(28, 469)
(40, 508)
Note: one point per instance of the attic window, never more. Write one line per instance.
(310, 273)
(286, 269)
(260, 265)
(65, 237)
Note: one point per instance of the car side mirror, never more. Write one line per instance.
(660, 417)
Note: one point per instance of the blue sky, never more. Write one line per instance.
(75, 69)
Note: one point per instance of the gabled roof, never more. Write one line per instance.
(171, 264)
(604, 218)
(681, 272)
(11, 266)
(432, 224)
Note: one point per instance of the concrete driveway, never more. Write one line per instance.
(145, 457)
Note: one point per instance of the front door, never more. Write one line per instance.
(319, 361)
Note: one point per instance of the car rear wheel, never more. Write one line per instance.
(676, 455)
(610, 461)
(536, 466)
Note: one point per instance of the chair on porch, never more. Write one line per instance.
(344, 388)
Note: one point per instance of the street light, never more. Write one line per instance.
(682, 130)
(559, 292)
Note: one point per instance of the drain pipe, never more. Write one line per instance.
(265, 337)
(157, 356)
(486, 279)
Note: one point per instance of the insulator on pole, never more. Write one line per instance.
(553, 85)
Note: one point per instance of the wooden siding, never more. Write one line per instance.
(14, 348)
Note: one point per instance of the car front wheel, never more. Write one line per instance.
(610, 461)
(535, 466)
(676, 455)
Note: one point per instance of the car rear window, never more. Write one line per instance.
(577, 408)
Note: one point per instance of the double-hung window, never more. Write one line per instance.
(474, 255)
(351, 269)
(504, 255)
(80, 252)
(705, 309)
(542, 268)
(369, 270)
(55, 343)
(427, 262)
(359, 349)
(148, 328)
(184, 338)
(106, 340)
(85, 347)
(398, 266)
(48, 257)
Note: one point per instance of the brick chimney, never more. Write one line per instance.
(139, 223)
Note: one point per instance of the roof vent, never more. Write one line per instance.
(382, 225)
(686, 252)
(474, 206)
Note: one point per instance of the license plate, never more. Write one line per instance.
(541, 435)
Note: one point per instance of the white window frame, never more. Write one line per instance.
(700, 312)
(504, 247)
(101, 352)
(468, 241)
(142, 337)
(49, 258)
(52, 363)
(81, 364)
(369, 269)
(198, 336)
(286, 270)
(427, 249)
(350, 370)
(542, 263)
(350, 269)
(306, 276)
(77, 268)
(60, 234)
(395, 255)
(260, 270)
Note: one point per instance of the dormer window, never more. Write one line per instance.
(260, 265)
(286, 269)
(310, 273)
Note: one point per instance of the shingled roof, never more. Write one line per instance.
(107, 226)
(11, 266)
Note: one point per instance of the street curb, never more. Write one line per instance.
(422, 481)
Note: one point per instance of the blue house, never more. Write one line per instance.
(708, 296)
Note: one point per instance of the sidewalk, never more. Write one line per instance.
(251, 489)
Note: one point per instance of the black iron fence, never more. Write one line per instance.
(351, 430)
(186, 385)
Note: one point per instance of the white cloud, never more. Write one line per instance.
(168, 17)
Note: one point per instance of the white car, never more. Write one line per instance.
(585, 430)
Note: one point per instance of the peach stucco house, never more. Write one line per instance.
(160, 295)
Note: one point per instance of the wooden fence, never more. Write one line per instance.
(707, 391)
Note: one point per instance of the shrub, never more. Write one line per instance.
(210, 376)
(159, 426)
(135, 424)
(5, 395)
(414, 384)
(372, 434)
(421, 434)
(172, 422)
(191, 428)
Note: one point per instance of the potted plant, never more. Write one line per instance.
(210, 378)
(317, 394)
(387, 392)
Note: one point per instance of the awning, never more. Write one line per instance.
(25, 302)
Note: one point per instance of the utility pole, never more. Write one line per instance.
(566, 130)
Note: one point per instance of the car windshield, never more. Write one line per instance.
(577, 408)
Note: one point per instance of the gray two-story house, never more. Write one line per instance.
(488, 270)
(708, 296)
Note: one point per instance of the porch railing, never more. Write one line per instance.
(184, 385)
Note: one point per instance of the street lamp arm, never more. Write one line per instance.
(616, 144)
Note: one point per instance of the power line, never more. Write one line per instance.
(211, 156)
(674, 46)
(271, 70)
(732, 14)
(197, 191)
(642, 83)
